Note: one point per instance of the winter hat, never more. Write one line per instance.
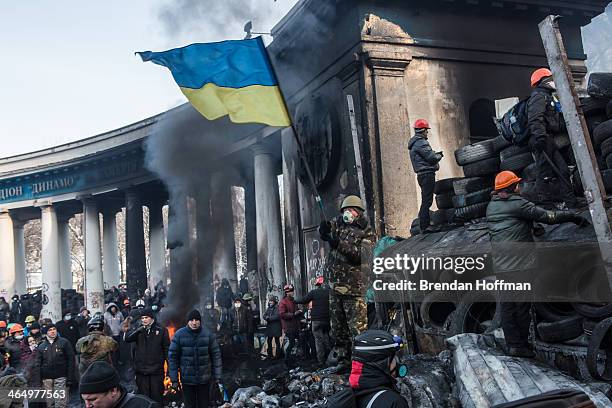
(46, 328)
(194, 315)
(99, 377)
(147, 312)
(35, 326)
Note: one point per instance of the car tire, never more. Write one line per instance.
(471, 212)
(551, 312)
(468, 185)
(602, 132)
(444, 186)
(517, 163)
(600, 332)
(475, 152)
(435, 310)
(609, 109)
(560, 330)
(600, 85)
(482, 167)
(500, 143)
(593, 311)
(473, 310)
(481, 196)
(606, 147)
(512, 151)
(444, 201)
(593, 106)
(439, 217)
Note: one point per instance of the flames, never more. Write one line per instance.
(168, 390)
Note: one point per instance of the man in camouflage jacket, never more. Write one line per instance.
(347, 234)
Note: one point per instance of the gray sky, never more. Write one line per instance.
(68, 70)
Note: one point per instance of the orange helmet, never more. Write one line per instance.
(15, 328)
(2, 324)
(505, 179)
(421, 124)
(538, 75)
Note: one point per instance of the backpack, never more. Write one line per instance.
(347, 398)
(513, 126)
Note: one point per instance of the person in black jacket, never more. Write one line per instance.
(425, 164)
(16, 312)
(510, 218)
(99, 387)
(374, 370)
(195, 354)
(81, 321)
(242, 324)
(69, 330)
(225, 297)
(273, 327)
(319, 315)
(55, 363)
(151, 351)
(544, 120)
(211, 317)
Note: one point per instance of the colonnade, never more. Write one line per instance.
(102, 267)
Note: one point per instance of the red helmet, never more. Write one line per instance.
(319, 280)
(538, 75)
(421, 124)
(126, 302)
(288, 288)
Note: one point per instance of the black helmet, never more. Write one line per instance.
(95, 324)
(374, 345)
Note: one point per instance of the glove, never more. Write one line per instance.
(324, 228)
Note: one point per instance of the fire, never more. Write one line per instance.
(168, 390)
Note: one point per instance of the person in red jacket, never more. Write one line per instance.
(290, 319)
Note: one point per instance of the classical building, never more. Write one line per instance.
(356, 74)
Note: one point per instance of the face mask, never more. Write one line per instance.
(19, 337)
(67, 317)
(237, 305)
(154, 307)
(348, 217)
(551, 85)
(400, 370)
(209, 307)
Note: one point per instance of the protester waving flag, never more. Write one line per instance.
(232, 78)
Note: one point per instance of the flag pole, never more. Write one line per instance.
(300, 147)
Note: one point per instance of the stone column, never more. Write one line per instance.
(270, 256)
(21, 282)
(250, 221)
(390, 177)
(293, 256)
(224, 254)
(65, 260)
(94, 282)
(51, 276)
(136, 278)
(110, 251)
(206, 239)
(7, 256)
(157, 246)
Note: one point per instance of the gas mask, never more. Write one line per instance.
(551, 85)
(400, 370)
(348, 217)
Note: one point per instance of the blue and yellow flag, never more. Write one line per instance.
(232, 78)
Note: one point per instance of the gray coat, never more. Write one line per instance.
(113, 322)
(423, 158)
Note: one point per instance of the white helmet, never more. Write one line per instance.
(140, 303)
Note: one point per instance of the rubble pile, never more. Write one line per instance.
(428, 385)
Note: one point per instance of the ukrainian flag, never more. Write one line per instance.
(232, 78)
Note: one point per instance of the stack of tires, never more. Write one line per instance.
(480, 162)
(445, 215)
(597, 110)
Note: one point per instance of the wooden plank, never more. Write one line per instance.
(594, 190)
